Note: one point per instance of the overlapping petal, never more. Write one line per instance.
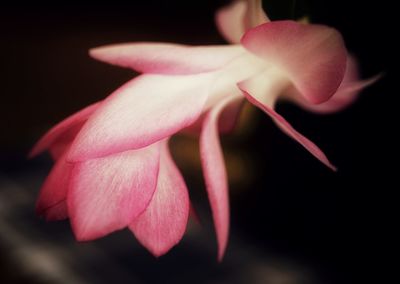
(106, 194)
(163, 223)
(313, 57)
(346, 94)
(143, 111)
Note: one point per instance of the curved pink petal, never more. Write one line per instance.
(344, 96)
(234, 19)
(166, 58)
(64, 131)
(55, 188)
(215, 174)
(106, 194)
(162, 225)
(313, 57)
(289, 130)
(143, 111)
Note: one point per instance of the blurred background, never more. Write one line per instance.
(292, 220)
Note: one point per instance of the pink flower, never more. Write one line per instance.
(112, 166)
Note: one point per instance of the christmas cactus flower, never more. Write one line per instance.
(113, 169)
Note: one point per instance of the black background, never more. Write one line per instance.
(336, 224)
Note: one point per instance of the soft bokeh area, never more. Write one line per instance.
(293, 221)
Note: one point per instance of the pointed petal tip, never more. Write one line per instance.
(215, 175)
(287, 128)
(81, 238)
(81, 234)
(159, 251)
(63, 132)
(92, 51)
(163, 224)
(374, 79)
(221, 254)
(165, 58)
(332, 167)
(32, 153)
(98, 53)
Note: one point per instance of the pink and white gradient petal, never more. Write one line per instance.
(313, 57)
(162, 225)
(346, 94)
(215, 175)
(145, 110)
(106, 194)
(166, 58)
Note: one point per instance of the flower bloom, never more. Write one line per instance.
(112, 166)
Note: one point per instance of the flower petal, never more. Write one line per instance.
(289, 130)
(64, 130)
(57, 212)
(344, 96)
(234, 19)
(55, 188)
(230, 21)
(166, 58)
(143, 111)
(266, 86)
(106, 194)
(163, 223)
(215, 174)
(312, 56)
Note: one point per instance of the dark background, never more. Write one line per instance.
(293, 221)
